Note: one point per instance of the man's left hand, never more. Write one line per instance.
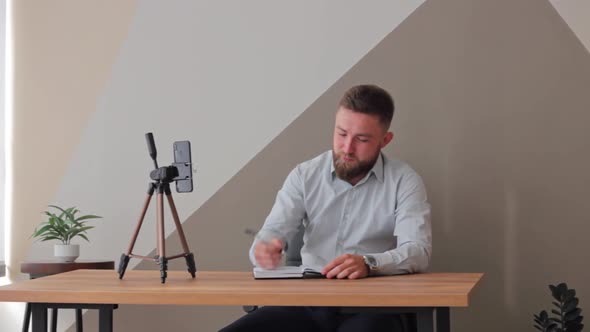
(346, 266)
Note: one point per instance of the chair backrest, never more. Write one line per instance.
(293, 252)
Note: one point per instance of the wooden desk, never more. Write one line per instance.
(427, 295)
(39, 269)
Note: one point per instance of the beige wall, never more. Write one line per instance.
(492, 110)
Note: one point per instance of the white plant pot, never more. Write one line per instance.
(66, 253)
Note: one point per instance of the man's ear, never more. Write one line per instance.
(388, 138)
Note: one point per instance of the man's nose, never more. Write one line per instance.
(348, 146)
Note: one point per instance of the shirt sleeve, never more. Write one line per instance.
(412, 229)
(287, 213)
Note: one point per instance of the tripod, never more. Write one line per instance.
(162, 177)
(163, 187)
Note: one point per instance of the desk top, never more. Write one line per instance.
(49, 267)
(240, 288)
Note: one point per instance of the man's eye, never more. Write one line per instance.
(363, 140)
(342, 134)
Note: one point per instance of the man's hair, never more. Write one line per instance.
(370, 99)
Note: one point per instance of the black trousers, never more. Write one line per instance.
(313, 319)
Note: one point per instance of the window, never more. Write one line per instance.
(2, 131)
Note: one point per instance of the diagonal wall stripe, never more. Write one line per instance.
(576, 13)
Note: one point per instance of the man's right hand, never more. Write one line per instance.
(268, 254)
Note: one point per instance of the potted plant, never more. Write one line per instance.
(64, 226)
(566, 315)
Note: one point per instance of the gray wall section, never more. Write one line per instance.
(492, 110)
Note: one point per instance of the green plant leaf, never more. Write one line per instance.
(47, 238)
(569, 294)
(67, 212)
(574, 328)
(63, 225)
(58, 208)
(554, 291)
(83, 236)
(570, 304)
(89, 216)
(569, 316)
(558, 291)
(41, 230)
(544, 323)
(79, 231)
(541, 316)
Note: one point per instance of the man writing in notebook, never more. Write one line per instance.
(364, 215)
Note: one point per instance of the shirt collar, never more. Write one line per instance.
(377, 169)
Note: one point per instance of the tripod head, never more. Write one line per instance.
(180, 171)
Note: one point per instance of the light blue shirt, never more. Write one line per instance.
(385, 215)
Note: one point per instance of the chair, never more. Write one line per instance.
(293, 258)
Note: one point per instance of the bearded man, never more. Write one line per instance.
(364, 214)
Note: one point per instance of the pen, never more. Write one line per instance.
(254, 233)
(251, 232)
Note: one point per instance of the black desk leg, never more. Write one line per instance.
(79, 326)
(443, 319)
(105, 318)
(425, 320)
(53, 319)
(39, 311)
(27, 319)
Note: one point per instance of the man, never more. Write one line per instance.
(364, 214)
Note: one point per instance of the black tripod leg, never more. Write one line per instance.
(123, 262)
(190, 258)
(163, 268)
(190, 264)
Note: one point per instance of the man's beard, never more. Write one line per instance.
(348, 171)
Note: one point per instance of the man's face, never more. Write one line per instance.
(358, 140)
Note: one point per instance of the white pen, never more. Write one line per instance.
(256, 236)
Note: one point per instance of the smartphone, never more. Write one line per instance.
(182, 161)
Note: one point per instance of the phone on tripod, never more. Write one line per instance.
(182, 161)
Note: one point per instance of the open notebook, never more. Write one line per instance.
(286, 272)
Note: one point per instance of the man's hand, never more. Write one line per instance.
(268, 254)
(346, 266)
